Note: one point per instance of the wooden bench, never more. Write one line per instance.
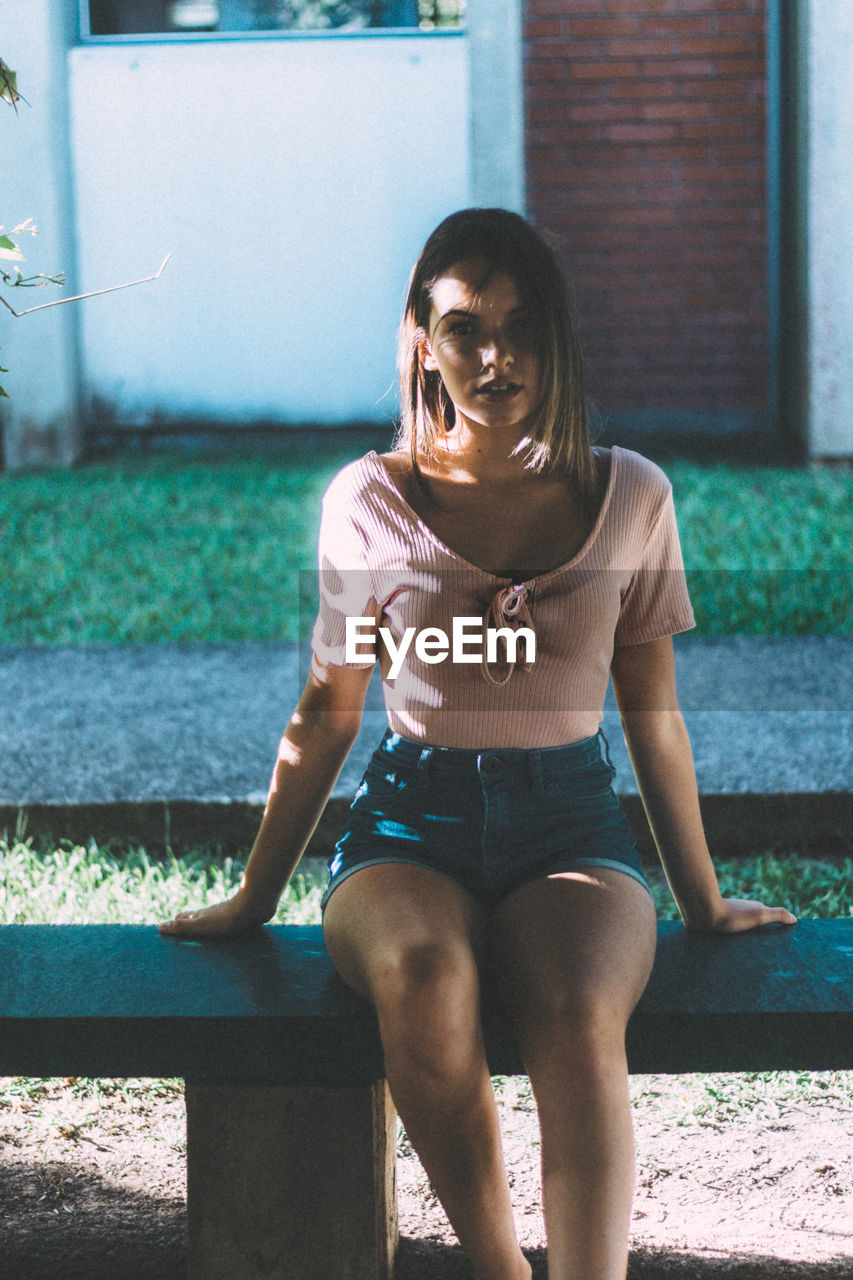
(290, 1129)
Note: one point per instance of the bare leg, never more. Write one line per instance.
(408, 939)
(573, 954)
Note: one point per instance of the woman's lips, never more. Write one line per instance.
(499, 390)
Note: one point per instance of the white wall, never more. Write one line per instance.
(496, 98)
(829, 253)
(293, 181)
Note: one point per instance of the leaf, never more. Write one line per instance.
(8, 84)
(10, 251)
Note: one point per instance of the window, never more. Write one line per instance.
(200, 17)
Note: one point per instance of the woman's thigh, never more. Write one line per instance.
(396, 924)
(573, 949)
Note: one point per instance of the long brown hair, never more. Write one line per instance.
(558, 440)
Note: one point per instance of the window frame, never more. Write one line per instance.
(86, 36)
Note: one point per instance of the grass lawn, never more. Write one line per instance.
(75, 884)
(158, 550)
(168, 548)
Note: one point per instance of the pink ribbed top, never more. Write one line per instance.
(625, 586)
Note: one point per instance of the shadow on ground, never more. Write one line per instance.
(56, 1221)
(432, 1260)
(60, 1220)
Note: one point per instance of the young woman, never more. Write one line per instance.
(486, 836)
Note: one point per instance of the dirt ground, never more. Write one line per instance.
(737, 1177)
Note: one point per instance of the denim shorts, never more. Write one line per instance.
(490, 820)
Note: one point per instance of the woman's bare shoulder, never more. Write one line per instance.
(396, 462)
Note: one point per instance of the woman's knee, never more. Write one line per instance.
(426, 993)
(422, 974)
(571, 1031)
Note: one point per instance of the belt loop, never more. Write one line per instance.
(423, 763)
(603, 737)
(536, 771)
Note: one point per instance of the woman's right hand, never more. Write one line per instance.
(223, 920)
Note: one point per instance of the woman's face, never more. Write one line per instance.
(482, 341)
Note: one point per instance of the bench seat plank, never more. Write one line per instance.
(122, 1000)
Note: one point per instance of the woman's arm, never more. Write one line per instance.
(315, 744)
(644, 682)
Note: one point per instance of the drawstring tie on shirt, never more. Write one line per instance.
(508, 608)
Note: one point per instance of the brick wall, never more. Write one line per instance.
(645, 144)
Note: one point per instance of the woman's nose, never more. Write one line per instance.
(497, 351)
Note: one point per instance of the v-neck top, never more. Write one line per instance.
(379, 560)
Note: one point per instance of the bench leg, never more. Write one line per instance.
(291, 1182)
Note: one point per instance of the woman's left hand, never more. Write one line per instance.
(737, 915)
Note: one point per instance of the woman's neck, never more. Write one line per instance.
(474, 454)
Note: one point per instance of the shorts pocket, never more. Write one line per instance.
(387, 778)
(592, 782)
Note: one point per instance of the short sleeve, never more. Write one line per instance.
(345, 585)
(656, 603)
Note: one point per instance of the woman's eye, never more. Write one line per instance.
(461, 329)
